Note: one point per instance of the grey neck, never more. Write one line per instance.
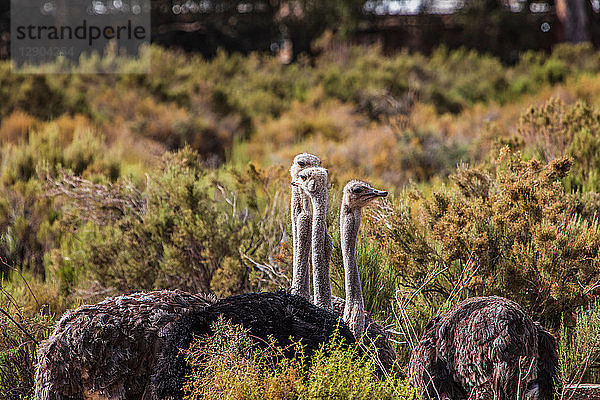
(350, 220)
(301, 235)
(321, 274)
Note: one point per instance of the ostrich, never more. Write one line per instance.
(301, 214)
(128, 347)
(485, 348)
(356, 195)
(314, 181)
(115, 348)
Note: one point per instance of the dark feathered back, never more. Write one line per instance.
(128, 347)
(287, 318)
(547, 365)
(486, 346)
(111, 347)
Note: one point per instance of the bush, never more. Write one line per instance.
(19, 336)
(510, 231)
(579, 346)
(555, 129)
(337, 372)
(26, 228)
(16, 127)
(192, 228)
(229, 365)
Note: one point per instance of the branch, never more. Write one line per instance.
(18, 325)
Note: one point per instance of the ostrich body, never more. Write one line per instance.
(485, 348)
(301, 214)
(315, 181)
(116, 349)
(128, 347)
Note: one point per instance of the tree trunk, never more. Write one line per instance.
(573, 17)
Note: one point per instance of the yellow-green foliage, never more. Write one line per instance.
(511, 230)
(228, 365)
(18, 349)
(555, 129)
(338, 372)
(579, 345)
(191, 228)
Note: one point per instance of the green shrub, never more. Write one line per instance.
(19, 336)
(555, 129)
(191, 228)
(338, 372)
(228, 365)
(579, 346)
(580, 57)
(27, 227)
(511, 231)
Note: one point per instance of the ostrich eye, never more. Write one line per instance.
(357, 190)
(301, 163)
(303, 177)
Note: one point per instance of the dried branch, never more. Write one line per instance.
(96, 202)
(272, 275)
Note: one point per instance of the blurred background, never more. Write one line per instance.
(481, 118)
(289, 28)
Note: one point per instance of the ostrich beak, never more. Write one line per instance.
(295, 184)
(378, 193)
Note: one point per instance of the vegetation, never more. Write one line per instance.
(178, 179)
(229, 362)
(579, 348)
(19, 337)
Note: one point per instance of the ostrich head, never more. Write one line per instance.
(312, 180)
(358, 194)
(303, 161)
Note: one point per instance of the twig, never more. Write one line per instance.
(12, 300)
(18, 325)
(276, 277)
(24, 280)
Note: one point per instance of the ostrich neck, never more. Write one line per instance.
(296, 203)
(321, 274)
(350, 224)
(305, 203)
(301, 230)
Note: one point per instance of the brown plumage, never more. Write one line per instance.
(113, 348)
(485, 348)
(128, 347)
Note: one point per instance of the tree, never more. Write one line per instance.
(574, 16)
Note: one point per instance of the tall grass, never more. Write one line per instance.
(19, 338)
(579, 346)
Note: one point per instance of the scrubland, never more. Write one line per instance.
(178, 179)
